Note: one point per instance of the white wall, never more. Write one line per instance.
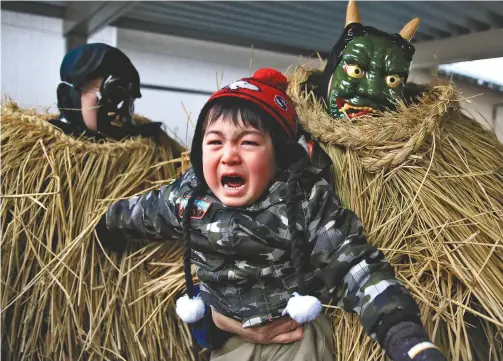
(32, 50)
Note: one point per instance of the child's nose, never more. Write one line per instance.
(231, 155)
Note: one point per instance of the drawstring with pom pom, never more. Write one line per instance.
(189, 308)
(301, 308)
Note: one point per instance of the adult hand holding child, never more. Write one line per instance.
(282, 330)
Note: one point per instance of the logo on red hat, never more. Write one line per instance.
(281, 102)
(242, 84)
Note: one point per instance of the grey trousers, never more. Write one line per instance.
(316, 345)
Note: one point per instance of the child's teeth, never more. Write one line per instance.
(230, 187)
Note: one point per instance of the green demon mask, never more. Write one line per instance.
(367, 69)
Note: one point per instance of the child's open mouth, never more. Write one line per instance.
(233, 182)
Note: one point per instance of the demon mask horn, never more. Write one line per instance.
(353, 16)
(352, 13)
(410, 29)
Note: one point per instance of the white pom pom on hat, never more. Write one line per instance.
(190, 310)
(303, 308)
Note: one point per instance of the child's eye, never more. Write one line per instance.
(250, 142)
(213, 142)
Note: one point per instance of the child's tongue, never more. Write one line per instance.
(233, 181)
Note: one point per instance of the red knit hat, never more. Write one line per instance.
(266, 88)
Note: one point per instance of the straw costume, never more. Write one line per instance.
(62, 296)
(426, 180)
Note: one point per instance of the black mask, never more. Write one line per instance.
(116, 103)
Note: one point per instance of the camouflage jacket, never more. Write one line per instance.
(243, 254)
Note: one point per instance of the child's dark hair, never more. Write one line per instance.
(289, 156)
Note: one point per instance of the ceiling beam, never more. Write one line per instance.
(474, 46)
(35, 8)
(135, 24)
(85, 18)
